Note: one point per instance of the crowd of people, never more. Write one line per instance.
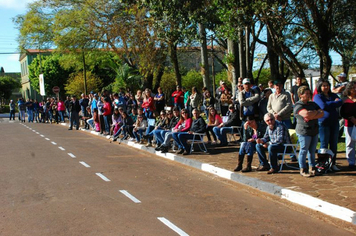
(265, 116)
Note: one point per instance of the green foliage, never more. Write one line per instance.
(75, 85)
(193, 79)
(265, 75)
(168, 83)
(53, 73)
(126, 77)
(7, 85)
(222, 76)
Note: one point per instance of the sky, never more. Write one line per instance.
(8, 33)
(9, 59)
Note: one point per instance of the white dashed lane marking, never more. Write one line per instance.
(54, 143)
(172, 226)
(61, 148)
(127, 194)
(47, 139)
(71, 155)
(103, 177)
(84, 164)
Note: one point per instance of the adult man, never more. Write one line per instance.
(274, 139)
(84, 102)
(341, 85)
(280, 104)
(294, 90)
(198, 126)
(224, 128)
(248, 99)
(74, 109)
(178, 96)
(12, 109)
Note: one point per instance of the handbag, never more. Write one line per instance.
(353, 134)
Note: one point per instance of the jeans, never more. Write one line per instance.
(221, 133)
(247, 148)
(91, 122)
(209, 129)
(149, 133)
(167, 138)
(74, 118)
(30, 115)
(287, 123)
(329, 135)
(23, 115)
(61, 115)
(12, 114)
(159, 135)
(107, 124)
(273, 150)
(350, 146)
(181, 139)
(307, 146)
(138, 134)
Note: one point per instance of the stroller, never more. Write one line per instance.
(324, 161)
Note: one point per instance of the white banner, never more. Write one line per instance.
(42, 86)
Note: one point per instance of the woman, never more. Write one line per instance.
(160, 123)
(208, 102)
(183, 125)
(106, 115)
(159, 100)
(252, 131)
(148, 104)
(225, 100)
(61, 109)
(116, 121)
(138, 128)
(348, 112)
(127, 126)
(213, 120)
(328, 124)
(195, 100)
(139, 98)
(307, 114)
(131, 104)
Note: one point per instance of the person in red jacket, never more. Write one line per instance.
(107, 114)
(148, 104)
(178, 96)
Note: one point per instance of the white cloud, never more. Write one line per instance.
(19, 5)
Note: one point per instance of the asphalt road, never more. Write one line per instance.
(59, 182)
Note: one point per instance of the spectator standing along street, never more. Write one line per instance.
(74, 109)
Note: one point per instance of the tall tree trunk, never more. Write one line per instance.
(204, 57)
(272, 58)
(174, 61)
(158, 78)
(345, 64)
(242, 55)
(233, 67)
(248, 53)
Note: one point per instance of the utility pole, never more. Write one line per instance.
(212, 64)
(84, 73)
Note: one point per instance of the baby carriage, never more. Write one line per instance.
(324, 161)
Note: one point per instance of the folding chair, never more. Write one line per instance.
(289, 149)
(198, 138)
(235, 130)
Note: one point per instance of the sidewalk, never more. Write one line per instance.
(333, 194)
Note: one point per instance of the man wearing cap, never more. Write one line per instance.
(341, 85)
(178, 96)
(280, 104)
(224, 128)
(248, 99)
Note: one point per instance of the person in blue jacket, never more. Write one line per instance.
(328, 124)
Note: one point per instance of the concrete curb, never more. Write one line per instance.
(302, 199)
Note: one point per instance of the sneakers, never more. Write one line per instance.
(149, 145)
(186, 153)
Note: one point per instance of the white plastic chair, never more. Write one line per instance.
(198, 138)
(293, 150)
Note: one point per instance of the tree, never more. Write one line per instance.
(7, 85)
(75, 84)
(54, 74)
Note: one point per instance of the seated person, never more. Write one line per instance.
(198, 126)
(116, 121)
(183, 125)
(126, 128)
(224, 128)
(160, 134)
(88, 119)
(139, 127)
(275, 137)
(252, 131)
(214, 119)
(160, 124)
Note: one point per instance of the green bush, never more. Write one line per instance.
(193, 79)
(5, 109)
